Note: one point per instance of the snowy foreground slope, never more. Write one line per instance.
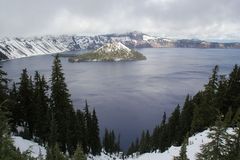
(193, 148)
(25, 145)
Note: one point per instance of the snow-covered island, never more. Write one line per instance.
(114, 51)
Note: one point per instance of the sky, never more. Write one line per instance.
(201, 19)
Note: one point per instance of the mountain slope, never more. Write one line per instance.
(19, 47)
(11, 48)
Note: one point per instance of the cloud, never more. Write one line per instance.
(215, 19)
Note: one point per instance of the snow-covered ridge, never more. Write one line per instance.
(11, 48)
(20, 47)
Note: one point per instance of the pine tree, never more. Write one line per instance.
(25, 100)
(173, 126)
(145, 141)
(186, 117)
(228, 118)
(234, 139)
(54, 153)
(106, 141)
(164, 119)
(118, 148)
(131, 149)
(81, 130)
(78, 154)
(52, 139)
(7, 150)
(183, 151)
(222, 99)
(42, 112)
(60, 102)
(87, 119)
(94, 135)
(3, 85)
(233, 89)
(111, 144)
(205, 113)
(216, 149)
(155, 139)
(71, 132)
(14, 109)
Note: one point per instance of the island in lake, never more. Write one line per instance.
(111, 52)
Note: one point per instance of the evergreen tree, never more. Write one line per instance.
(155, 139)
(42, 112)
(221, 101)
(164, 119)
(234, 139)
(54, 153)
(78, 154)
(118, 148)
(163, 138)
(71, 133)
(233, 88)
(228, 118)
(87, 119)
(25, 103)
(52, 139)
(110, 143)
(145, 141)
(14, 109)
(205, 113)
(7, 150)
(106, 141)
(173, 127)
(60, 102)
(136, 147)
(94, 135)
(3, 85)
(216, 149)
(186, 118)
(80, 130)
(131, 149)
(183, 151)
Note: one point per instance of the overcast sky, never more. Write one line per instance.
(204, 19)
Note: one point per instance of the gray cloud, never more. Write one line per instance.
(205, 19)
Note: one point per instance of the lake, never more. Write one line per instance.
(132, 96)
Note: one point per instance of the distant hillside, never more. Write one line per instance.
(115, 51)
(11, 48)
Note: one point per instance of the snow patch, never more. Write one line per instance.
(112, 47)
(25, 145)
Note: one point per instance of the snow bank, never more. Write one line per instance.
(26, 145)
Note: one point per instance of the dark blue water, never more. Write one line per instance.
(132, 96)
